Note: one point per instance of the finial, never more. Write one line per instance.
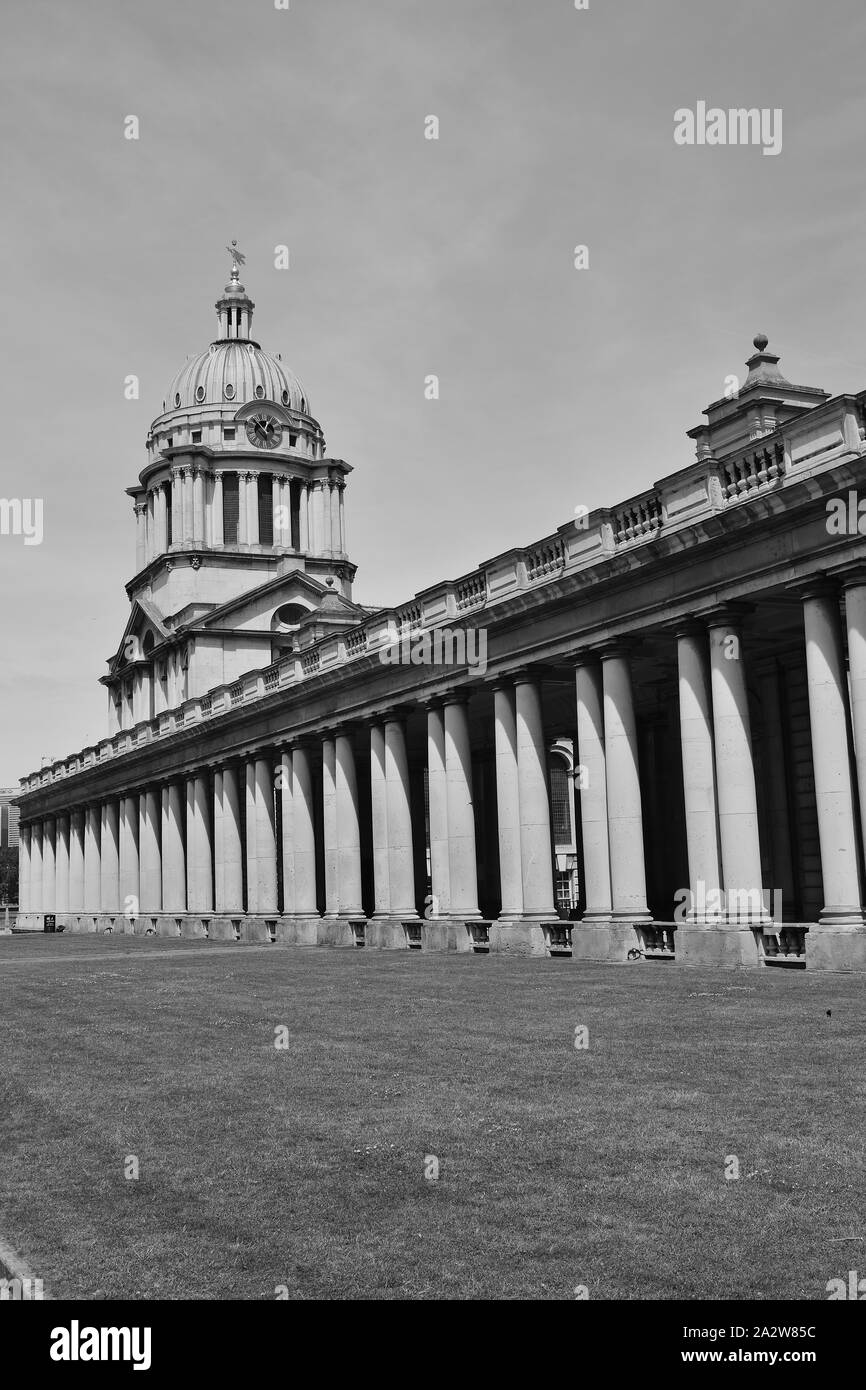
(238, 259)
(760, 340)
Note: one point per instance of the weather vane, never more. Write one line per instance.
(238, 258)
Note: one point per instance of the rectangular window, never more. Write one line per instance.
(229, 432)
(230, 508)
(295, 496)
(196, 436)
(266, 509)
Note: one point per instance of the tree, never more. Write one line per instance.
(8, 875)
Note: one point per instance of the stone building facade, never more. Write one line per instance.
(663, 753)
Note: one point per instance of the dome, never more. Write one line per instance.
(234, 370)
(233, 373)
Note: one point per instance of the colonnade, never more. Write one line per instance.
(186, 845)
(188, 511)
(208, 842)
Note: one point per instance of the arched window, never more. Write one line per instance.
(560, 801)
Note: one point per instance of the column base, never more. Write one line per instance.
(336, 931)
(298, 929)
(834, 915)
(841, 950)
(390, 934)
(453, 934)
(607, 939)
(516, 937)
(723, 946)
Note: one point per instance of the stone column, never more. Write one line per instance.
(329, 816)
(24, 869)
(36, 867)
(834, 794)
(593, 792)
(348, 828)
(343, 540)
(317, 517)
(243, 529)
(92, 837)
(173, 868)
(266, 838)
(379, 813)
(130, 886)
(401, 869)
(199, 845)
(49, 868)
(187, 506)
(462, 863)
(285, 790)
(282, 512)
(150, 866)
(219, 870)
(198, 507)
(735, 773)
(437, 786)
(109, 857)
(855, 620)
(61, 861)
(253, 508)
(507, 800)
(304, 828)
(304, 517)
(334, 509)
(177, 506)
(624, 818)
(252, 868)
(140, 510)
(217, 535)
(536, 852)
(230, 883)
(699, 774)
(160, 515)
(76, 861)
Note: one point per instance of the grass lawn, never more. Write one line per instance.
(305, 1166)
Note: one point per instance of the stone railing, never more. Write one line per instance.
(356, 641)
(471, 592)
(636, 519)
(829, 435)
(752, 470)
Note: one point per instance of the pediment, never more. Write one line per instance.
(145, 628)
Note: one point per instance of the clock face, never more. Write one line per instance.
(265, 431)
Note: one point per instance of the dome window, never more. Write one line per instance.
(229, 391)
(260, 391)
(199, 393)
(177, 398)
(303, 406)
(285, 398)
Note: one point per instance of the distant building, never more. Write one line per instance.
(8, 818)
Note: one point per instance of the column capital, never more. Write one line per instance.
(624, 646)
(727, 614)
(530, 673)
(816, 586)
(853, 576)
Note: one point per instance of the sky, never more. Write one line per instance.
(409, 257)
